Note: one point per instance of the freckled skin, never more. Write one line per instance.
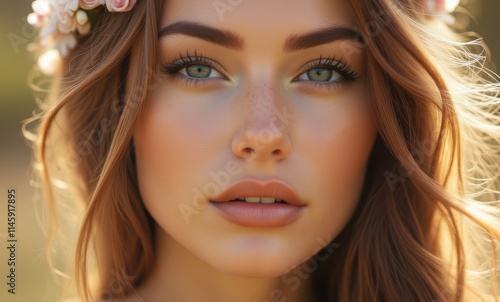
(315, 139)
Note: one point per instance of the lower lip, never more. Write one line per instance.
(258, 214)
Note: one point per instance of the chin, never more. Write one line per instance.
(255, 271)
(255, 265)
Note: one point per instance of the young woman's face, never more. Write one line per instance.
(270, 96)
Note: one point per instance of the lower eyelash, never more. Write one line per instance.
(329, 85)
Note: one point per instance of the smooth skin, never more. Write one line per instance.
(250, 110)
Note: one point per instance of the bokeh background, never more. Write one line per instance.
(35, 282)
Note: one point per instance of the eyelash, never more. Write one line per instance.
(336, 65)
(172, 68)
(348, 75)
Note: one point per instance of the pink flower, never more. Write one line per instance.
(42, 7)
(90, 4)
(60, 21)
(120, 5)
(440, 6)
(37, 19)
(441, 9)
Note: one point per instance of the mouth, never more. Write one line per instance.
(253, 203)
(264, 192)
(264, 200)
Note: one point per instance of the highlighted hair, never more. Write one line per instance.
(427, 226)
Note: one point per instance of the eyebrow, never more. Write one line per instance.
(234, 41)
(207, 33)
(321, 36)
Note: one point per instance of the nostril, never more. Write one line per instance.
(277, 152)
(247, 147)
(248, 150)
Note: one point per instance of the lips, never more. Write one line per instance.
(253, 203)
(253, 188)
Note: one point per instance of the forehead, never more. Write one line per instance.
(261, 17)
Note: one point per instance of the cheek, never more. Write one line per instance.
(176, 137)
(339, 144)
(336, 143)
(169, 146)
(179, 140)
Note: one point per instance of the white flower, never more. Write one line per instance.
(81, 17)
(49, 29)
(35, 19)
(42, 7)
(60, 20)
(48, 61)
(451, 5)
(64, 43)
(67, 23)
(71, 6)
(41, 11)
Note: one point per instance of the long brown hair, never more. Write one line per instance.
(431, 189)
(411, 237)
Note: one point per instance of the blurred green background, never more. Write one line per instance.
(34, 280)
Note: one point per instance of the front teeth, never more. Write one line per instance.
(252, 199)
(267, 200)
(259, 199)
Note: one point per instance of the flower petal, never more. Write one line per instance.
(91, 4)
(117, 5)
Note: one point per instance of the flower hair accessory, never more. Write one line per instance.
(59, 22)
(441, 9)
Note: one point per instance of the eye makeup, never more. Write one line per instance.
(322, 73)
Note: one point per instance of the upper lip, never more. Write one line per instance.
(256, 188)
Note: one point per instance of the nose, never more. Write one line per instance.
(263, 134)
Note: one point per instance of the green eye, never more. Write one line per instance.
(198, 71)
(319, 74)
(195, 69)
(326, 73)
